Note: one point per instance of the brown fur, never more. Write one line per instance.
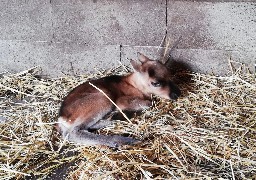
(85, 107)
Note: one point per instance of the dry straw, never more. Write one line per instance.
(208, 133)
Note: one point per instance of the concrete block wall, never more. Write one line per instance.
(77, 36)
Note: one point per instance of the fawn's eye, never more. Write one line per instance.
(156, 84)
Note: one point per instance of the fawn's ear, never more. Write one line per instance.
(142, 58)
(136, 65)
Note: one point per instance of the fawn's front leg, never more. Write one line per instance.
(131, 103)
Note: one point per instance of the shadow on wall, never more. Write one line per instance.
(179, 69)
(175, 65)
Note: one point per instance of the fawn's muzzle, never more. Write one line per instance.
(175, 91)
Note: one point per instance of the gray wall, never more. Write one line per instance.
(76, 36)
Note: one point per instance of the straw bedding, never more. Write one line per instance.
(208, 133)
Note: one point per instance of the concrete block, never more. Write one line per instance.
(197, 60)
(213, 61)
(214, 1)
(245, 57)
(17, 56)
(56, 59)
(130, 52)
(203, 61)
(109, 22)
(213, 25)
(25, 20)
(84, 59)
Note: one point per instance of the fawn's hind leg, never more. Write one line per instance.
(81, 136)
(103, 122)
(100, 124)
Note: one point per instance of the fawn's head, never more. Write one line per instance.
(153, 77)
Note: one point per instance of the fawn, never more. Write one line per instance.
(85, 108)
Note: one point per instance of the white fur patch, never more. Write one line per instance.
(66, 125)
(63, 123)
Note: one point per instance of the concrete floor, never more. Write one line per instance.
(77, 36)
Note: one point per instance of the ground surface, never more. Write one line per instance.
(208, 133)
